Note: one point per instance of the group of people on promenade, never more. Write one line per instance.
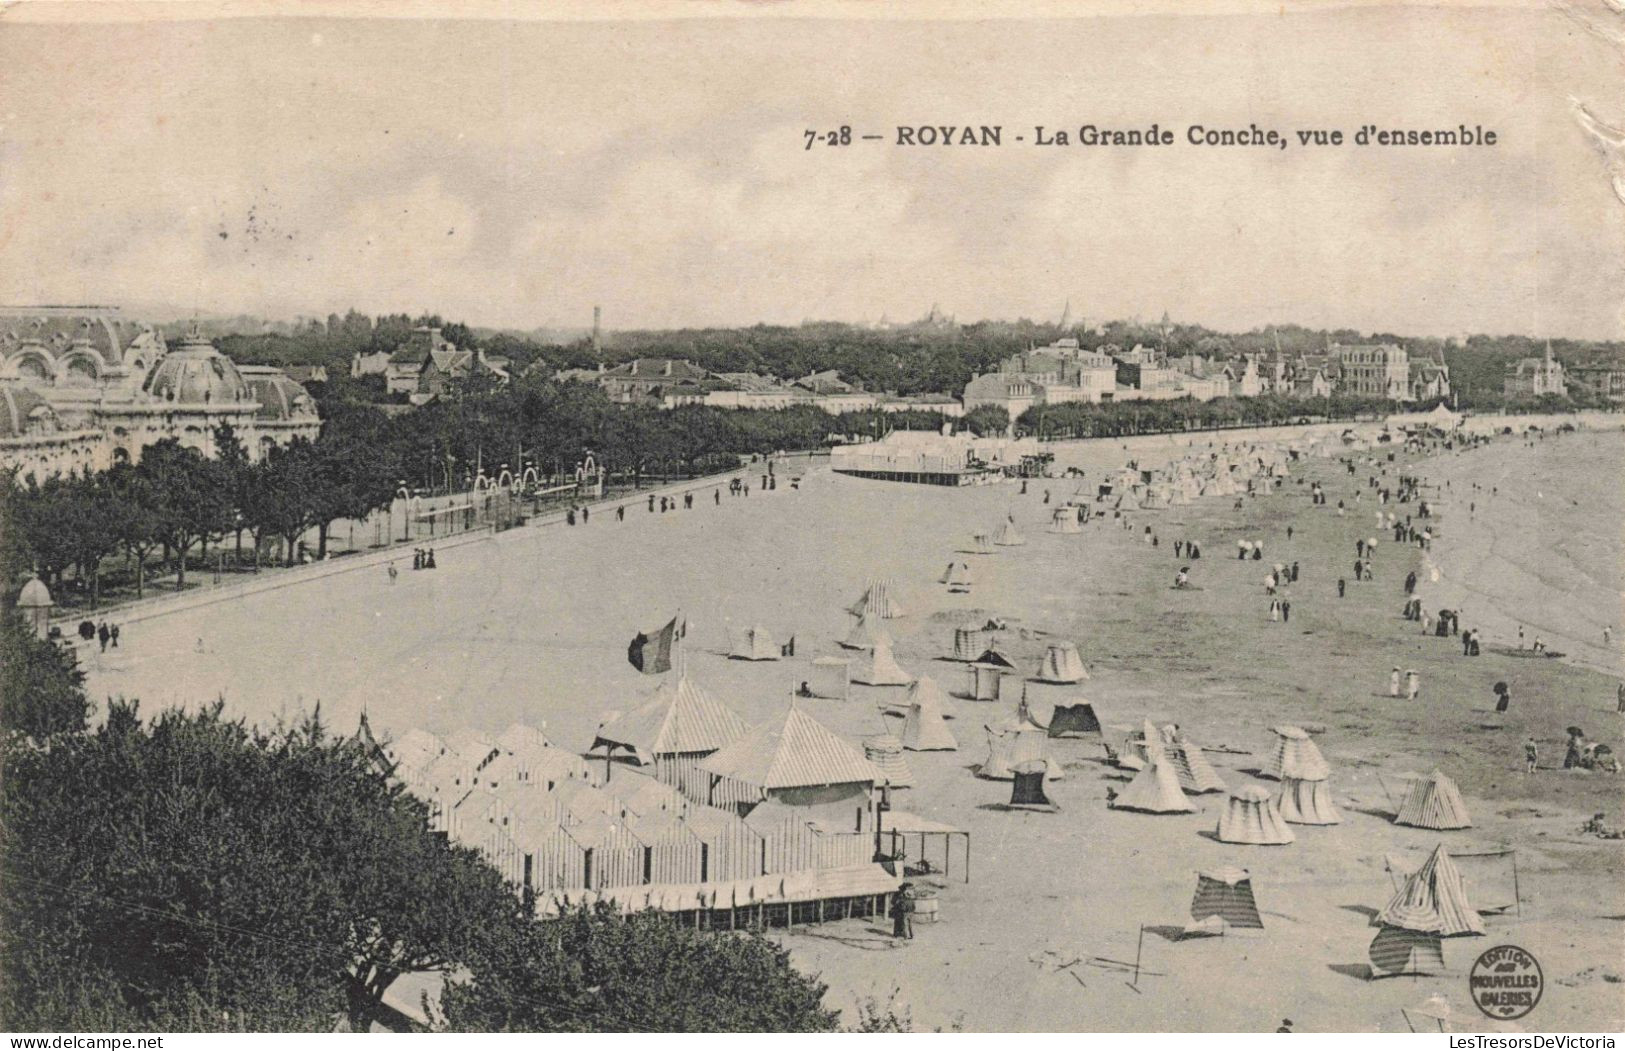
(105, 633)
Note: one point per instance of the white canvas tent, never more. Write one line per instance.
(1065, 520)
(925, 730)
(1061, 663)
(970, 641)
(883, 669)
(1009, 535)
(753, 644)
(1304, 802)
(1196, 775)
(985, 680)
(957, 576)
(1155, 789)
(865, 633)
(829, 677)
(1010, 746)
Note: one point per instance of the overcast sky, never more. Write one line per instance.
(518, 174)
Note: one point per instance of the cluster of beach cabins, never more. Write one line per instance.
(679, 806)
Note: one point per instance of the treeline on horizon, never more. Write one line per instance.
(905, 360)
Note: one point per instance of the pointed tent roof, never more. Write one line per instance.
(792, 751)
(1009, 535)
(1251, 816)
(1295, 755)
(883, 668)
(1155, 789)
(519, 735)
(1196, 775)
(925, 730)
(1433, 900)
(877, 599)
(681, 717)
(866, 633)
(1061, 663)
(1434, 802)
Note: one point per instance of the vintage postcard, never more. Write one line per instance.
(825, 517)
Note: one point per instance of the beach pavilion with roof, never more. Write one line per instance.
(674, 731)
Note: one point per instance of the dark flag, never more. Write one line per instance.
(789, 648)
(651, 654)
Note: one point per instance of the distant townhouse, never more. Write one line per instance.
(407, 360)
(1602, 379)
(1430, 377)
(1376, 370)
(654, 381)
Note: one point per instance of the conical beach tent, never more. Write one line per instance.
(925, 730)
(1433, 802)
(1155, 789)
(883, 669)
(1009, 535)
(1061, 663)
(1196, 775)
(1250, 816)
(886, 752)
(1304, 802)
(1397, 950)
(1295, 754)
(1065, 520)
(1075, 720)
(753, 644)
(970, 641)
(865, 633)
(957, 576)
(1027, 785)
(830, 677)
(991, 655)
(877, 600)
(1228, 894)
(1433, 899)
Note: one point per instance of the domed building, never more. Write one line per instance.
(80, 387)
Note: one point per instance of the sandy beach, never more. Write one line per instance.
(532, 626)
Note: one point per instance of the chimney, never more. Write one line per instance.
(597, 333)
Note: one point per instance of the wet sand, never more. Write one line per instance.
(532, 625)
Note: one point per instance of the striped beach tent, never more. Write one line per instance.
(1155, 789)
(1433, 899)
(970, 642)
(886, 752)
(1433, 802)
(1009, 746)
(1075, 720)
(1061, 663)
(1196, 775)
(1027, 785)
(877, 600)
(1228, 894)
(1304, 802)
(1294, 754)
(1400, 950)
(1250, 816)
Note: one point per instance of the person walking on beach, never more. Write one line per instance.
(114, 631)
(1575, 755)
(1286, 610)
(1503, 696)
(1531, 755)
(1275, 610)
(620, 513)
(585, 513)
(1342, 585)
(1413, 684)
(1393, 682)
(102, 634)
(393, 573)
(1294, 572)
(1410, 582)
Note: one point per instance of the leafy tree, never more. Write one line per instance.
(195, 494)
(192, 868)
(988, 420)
(41, 685)
(592, 970)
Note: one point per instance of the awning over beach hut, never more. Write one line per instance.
(682, 718)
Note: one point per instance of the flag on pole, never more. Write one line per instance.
(652, 654)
